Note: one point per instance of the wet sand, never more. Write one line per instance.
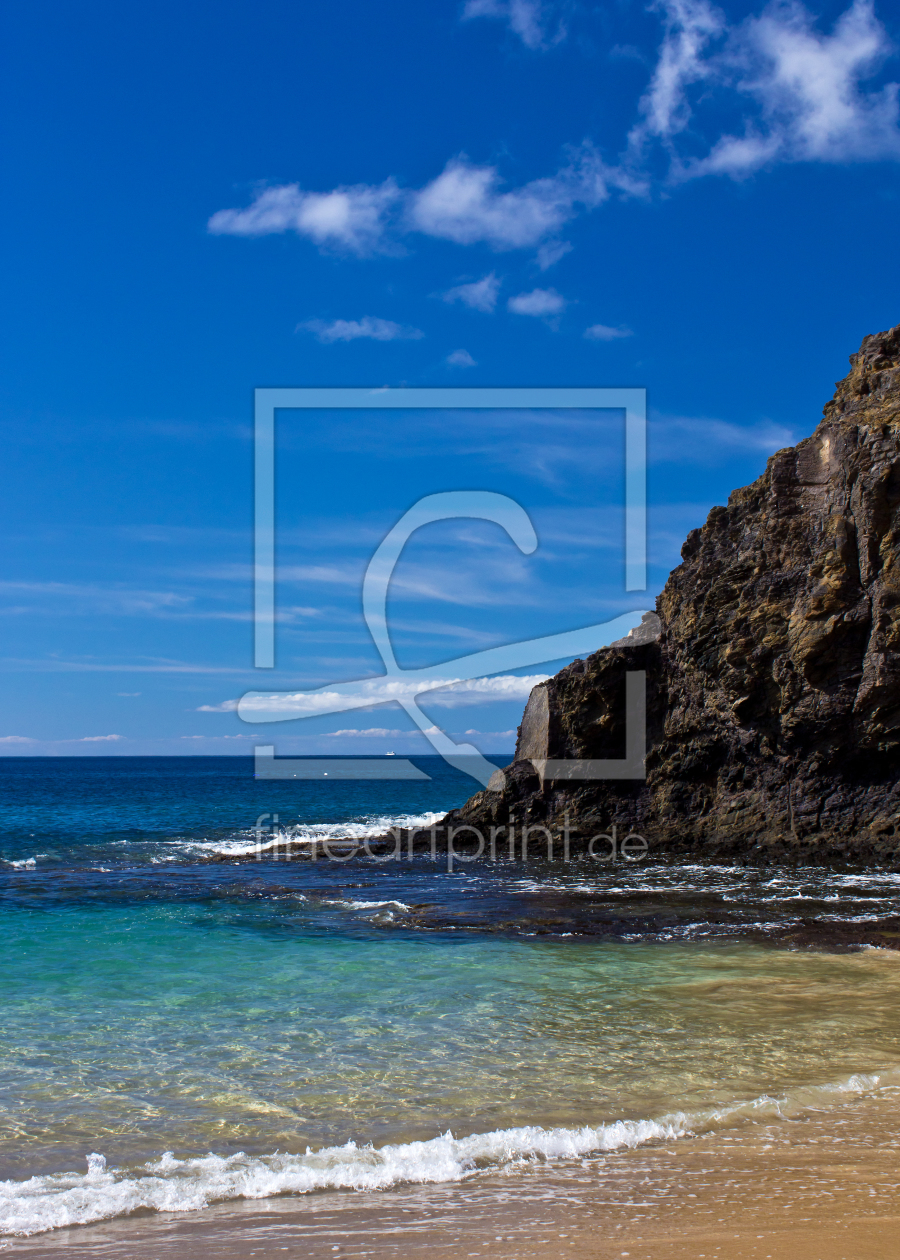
(823, 1187)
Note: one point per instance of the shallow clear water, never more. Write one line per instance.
(154, 1002)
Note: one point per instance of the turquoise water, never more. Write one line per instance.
(217, 1030)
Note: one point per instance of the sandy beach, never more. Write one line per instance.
(822, 1187)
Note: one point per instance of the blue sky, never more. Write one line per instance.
(202, 200)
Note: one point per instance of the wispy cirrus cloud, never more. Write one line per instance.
(689, 26)
(723, 98)
(808, 87)
(84, 739)
(90, 598)
(697, 438)
(529, 19)
(799, 92)
(57, 665)
(370, 326)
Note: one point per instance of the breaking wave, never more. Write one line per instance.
(249, 843)
(57, 1200)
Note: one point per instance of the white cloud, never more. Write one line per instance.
(481, 295)
(460, 358)
(128, 693)
(370, 326)
(799, 95)
(550, 253)
(603, 332)
(227, 706)
(453, 692)
(808, 89)
(373, 732)
(689, 26)
(526, 18)
(348, 218)
(98, 739)
(464, 204)
(541, 302)
(734, 155)
(799, 92)
(16, 739)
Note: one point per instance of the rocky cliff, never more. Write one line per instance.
(772, 675)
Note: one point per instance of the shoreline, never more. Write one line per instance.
(823, 1186)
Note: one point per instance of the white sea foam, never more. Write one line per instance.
(309, 833)
(366, 905)
(23, 864)
(175, 1185)
(187, 1185)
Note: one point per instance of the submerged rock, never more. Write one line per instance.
(772, 672)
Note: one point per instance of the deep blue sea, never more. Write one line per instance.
(189, 1019)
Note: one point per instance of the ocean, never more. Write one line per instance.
(190, 1021)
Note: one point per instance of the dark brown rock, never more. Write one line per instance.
(773, 689)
